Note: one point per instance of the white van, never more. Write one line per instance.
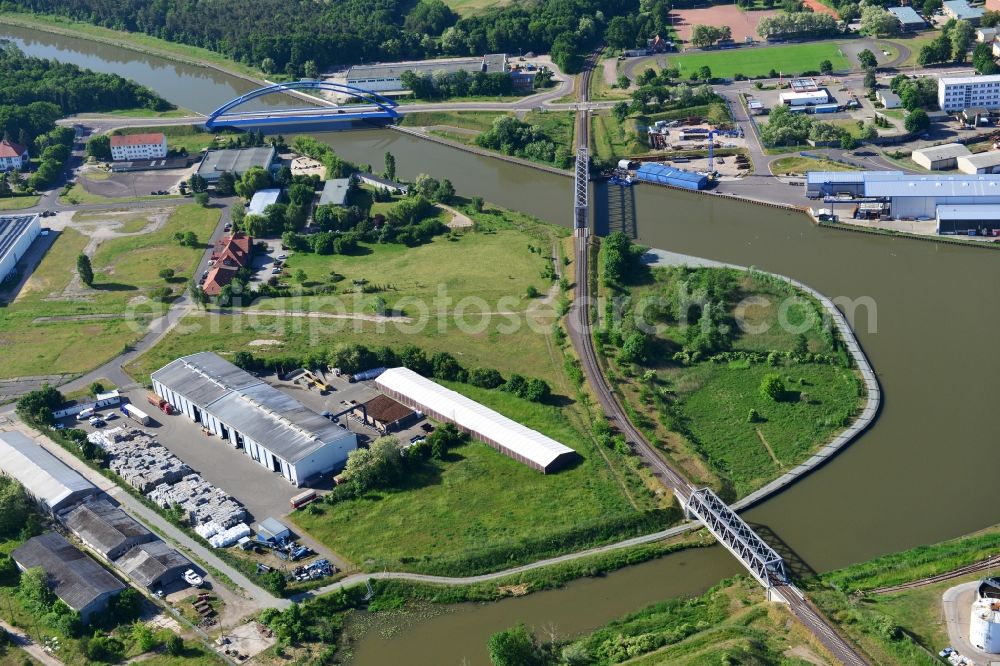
(85, 414)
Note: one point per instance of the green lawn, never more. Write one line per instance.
(491, 264)
(137, 260)
(18, 202)
(478, 509)
(474, 120)
(611, 139)
(140, 113)
(124, 269)
(78, 195)
(467, 7)
(800, 165)
(699, 409)
(445, 266)
(788, 60)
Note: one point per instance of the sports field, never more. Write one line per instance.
(758, 61)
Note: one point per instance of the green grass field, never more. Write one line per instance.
(788, 60)
(467, 7)
(799, 165)
(93, 325)
(444, 266)
(473, 120)
(78, 195)
(610, 139)
(454, 512)
(699, 410)
(19, 202)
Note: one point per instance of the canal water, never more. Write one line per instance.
(927, 315)
(200, 89)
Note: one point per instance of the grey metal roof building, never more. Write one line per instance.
(154, 563)
(335, 192)
(271, 427)
(908, 18)
(234, 160)
(960, 203)
(17, 233)
(382, 77)
(106, 528)
(80, 582)
(45, 478)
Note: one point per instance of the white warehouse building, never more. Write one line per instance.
(46, 479)
(505, 435)
(957, 93)
(17, 233)
(274, 429)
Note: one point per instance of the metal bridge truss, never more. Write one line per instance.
(384, 106)
(582, 189)
(762, 561)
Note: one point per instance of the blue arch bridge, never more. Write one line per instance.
(364, 107)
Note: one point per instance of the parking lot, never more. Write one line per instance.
(131, 184)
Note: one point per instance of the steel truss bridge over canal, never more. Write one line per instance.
(372, 108)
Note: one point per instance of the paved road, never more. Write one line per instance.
(956, 605)
(23, 641)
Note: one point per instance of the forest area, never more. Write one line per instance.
(296, 37)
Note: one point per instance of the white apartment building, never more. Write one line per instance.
(957, 93)
(12, 156)
(138, 147)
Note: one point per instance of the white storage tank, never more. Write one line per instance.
(984, 622)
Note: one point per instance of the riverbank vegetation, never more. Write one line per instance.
(302, 38)
(58, 325)
(732, 623)
(692, 350)
(906, 626)
(541, 136)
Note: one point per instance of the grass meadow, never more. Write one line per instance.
(758, 61)
(50, 330)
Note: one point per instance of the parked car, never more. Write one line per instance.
(193, 579)
(275, 271)
(282, 257)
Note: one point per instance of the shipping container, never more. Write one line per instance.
(135, 413)
(826, 108)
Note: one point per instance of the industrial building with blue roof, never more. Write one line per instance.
(664, 175)
(960, 204)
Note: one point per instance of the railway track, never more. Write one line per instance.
(580, 335)
(982, 565)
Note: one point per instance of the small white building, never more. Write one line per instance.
(13, 156)
(986, 35)
(936, 158)
(152, 146)
(380, 183)
(889, 99)
(17, 233)
(262, 199)
(269, 426)
(809, 98)
(988, 162)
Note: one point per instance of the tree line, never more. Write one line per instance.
(297, 37)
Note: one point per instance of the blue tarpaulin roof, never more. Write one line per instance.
(658, 173)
